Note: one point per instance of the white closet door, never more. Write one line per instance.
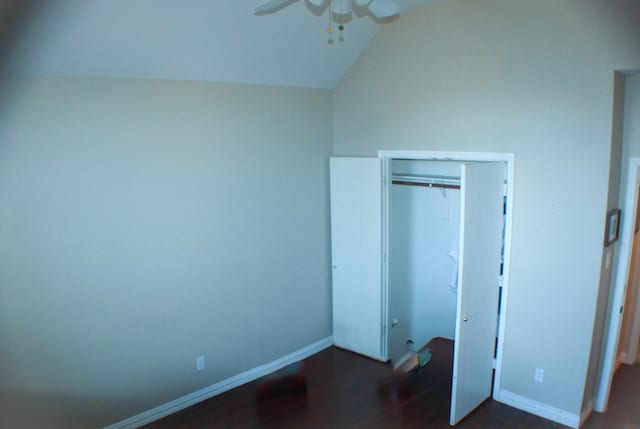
(356, 254)
(481, 223)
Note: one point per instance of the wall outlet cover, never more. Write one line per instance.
(200, 364)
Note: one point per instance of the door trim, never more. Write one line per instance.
(614, 319)
(509, 159)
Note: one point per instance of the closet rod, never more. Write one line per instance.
(425, 185)
(447, 182)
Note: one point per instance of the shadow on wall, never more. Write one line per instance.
(30, 409)
(14, 16)
(51, 410)
(21, 410)
(620, 18)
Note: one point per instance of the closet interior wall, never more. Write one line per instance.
(424, 230)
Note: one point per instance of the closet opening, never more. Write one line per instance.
(421, 245)
(445, 224)
(423, 229)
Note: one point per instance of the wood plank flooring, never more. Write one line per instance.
(624, 404)
(345, 390)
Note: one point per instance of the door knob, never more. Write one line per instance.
(465, 319)
(394, 321)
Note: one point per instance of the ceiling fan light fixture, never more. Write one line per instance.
(340, 11)
(341, 7)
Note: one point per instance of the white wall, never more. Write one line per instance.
(145, 223)
(535, 79)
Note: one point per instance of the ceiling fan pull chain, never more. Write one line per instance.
(330, 28)
(340, 24)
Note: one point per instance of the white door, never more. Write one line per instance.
(356, 254)
(481, 224)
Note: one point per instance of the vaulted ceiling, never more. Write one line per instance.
(208, 40)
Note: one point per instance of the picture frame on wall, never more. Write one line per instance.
(612, 229)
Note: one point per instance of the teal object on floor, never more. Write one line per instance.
(424, 356)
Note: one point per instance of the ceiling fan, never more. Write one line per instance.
(382, 10)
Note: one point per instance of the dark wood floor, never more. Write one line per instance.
(345, 390)
(624, 404)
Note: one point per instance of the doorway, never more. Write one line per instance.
(625, 273)
(424, 226)
(630, 330)
(484, 235)
(360, 269)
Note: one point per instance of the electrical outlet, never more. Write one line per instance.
(539, 375)
(200, 363)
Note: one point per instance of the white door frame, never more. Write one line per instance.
(614, 320)
(509, 160)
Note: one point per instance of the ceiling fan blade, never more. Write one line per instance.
(271, 6)
(361, 3)
(317, 3)
(384, 9)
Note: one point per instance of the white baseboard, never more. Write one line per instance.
(538, 408)
(584, 415)
(221, 387)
